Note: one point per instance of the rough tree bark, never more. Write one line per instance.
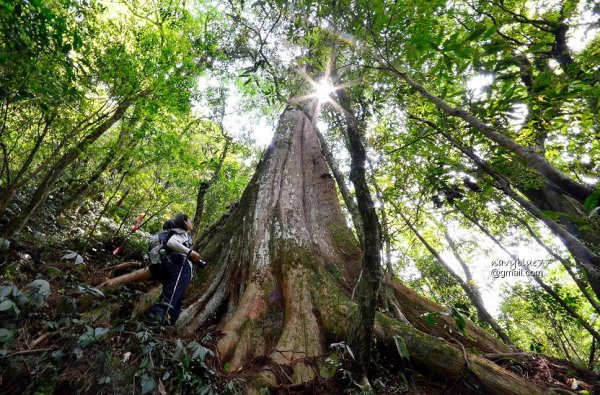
(341, 183)
(283, 264)
(281, 268)
(369, 282)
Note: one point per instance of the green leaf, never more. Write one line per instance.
(6, 305)
(328, 368)
(430, 318)
(38, 290)
(4, 243)
(479, 29)
(459, 320)
(591, 202)
(198, 351)
(148, 384)
(39, 286)
(552, 214)
(401, 347)
(77, 42)
(104, 380)
(6, 290)
(70, 255)
(490, 32)
(99, 332)
(6, 335)
(53, 271)
(78, 259)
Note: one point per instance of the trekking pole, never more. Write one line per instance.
(174, 290)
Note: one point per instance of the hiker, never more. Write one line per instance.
(176, 273)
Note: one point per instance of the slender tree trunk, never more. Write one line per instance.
(570, 213)
(9, 192)
(592, 357)
(585, 257)
(558, 340)
(13, 185)
(567, 265)
(204, 186)
(83, 191)
(570, 344)
(467, 286)
(529, 156)
(104, 210)
(582, 321)
(568, 308)
(385, 230)
(581, 284)
(84, 188)
(125, 217)
(45, 186)
(370, 280)
(35, 149)
(484, 315)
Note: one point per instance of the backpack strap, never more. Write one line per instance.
(169, 235)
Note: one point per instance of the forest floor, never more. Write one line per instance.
(60, 347)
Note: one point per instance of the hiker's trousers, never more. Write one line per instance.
(175, 277)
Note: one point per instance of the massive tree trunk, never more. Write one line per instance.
(281, 269)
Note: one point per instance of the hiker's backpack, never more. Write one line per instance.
(157, 247)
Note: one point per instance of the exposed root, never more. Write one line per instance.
(428, 351)
(196, 315)
(548, 371)
(136, 276)
(122, 266)
(243, 325)
(462, 347)
(14, 354)
(415, 306)
(301, 330)
(42, 338)
(390, 304)
(440, 357)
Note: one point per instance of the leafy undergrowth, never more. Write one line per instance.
(47, 346)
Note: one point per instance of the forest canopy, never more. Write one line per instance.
(455, 147)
